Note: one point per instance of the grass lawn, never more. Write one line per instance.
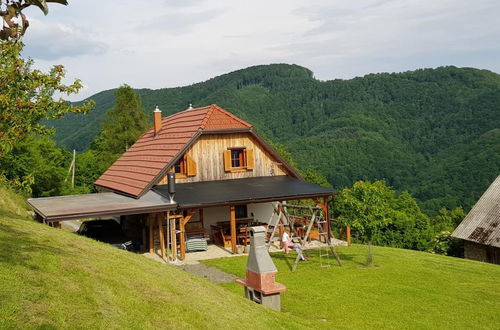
(405, 289)
(50, 278)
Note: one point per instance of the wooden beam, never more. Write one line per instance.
(182, 228)
(151, 233)
(233, 229)
(201, 218)
(327, 219)
(167, 219)
(173, 235)
(159, 218)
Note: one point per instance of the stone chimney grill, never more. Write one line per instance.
(260, 283)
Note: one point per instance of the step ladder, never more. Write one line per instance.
(324, 254)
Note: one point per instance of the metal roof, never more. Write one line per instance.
(73, 207)
(482, 223)
(243, 191)
(143, 163)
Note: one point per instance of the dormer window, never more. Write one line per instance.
(238, 159)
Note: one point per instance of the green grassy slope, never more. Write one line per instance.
(406, 289)
(51, 278)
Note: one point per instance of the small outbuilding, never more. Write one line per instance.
(481, 227)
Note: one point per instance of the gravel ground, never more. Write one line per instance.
(210, 273)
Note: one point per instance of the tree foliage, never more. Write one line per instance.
(379, 214)
(433, 132)
(27, 97)
(123, 124)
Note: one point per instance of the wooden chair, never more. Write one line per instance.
(242, 236)
(225, 239)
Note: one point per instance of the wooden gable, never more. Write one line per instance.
(211, 155)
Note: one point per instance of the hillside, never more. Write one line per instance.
(434, 132)
(50, 278)
(403, 290)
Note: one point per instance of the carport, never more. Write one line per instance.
(153, 207)
(52, 210)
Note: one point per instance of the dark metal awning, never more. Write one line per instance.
(72, 207)
(248, 190)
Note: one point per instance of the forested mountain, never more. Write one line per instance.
(434, 132)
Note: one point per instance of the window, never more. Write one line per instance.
(180, 167)
(241, 211)
(185, 167)
(238, 159)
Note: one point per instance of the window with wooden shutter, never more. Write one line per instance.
(227, 160)
(238, 159)
(249, 158)
(191, 166)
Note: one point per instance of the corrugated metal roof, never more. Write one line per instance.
(134, 172)
(482, 223)
(71, 207)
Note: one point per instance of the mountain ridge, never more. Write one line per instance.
(403, 127)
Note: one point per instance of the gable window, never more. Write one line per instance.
(180, 167)
(238, 159)
(185, 167)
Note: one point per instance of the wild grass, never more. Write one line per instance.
(50, 278)
(403, 289)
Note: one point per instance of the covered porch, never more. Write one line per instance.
(222, 211)
(216, 212)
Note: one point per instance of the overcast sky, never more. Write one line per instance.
(169, 43)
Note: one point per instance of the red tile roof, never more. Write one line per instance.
(137, 169)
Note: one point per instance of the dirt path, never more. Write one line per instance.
(210, 273)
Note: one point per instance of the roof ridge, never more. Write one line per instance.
(207, 117)
(241, 121)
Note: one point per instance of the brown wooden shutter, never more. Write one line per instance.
(191, 166)
(227, 160)
(250, 160)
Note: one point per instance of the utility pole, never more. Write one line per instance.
(74, 165)
(71, 170)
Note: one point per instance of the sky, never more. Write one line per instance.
(170, 43)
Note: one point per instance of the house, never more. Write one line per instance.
(481, 227)
(226, 178)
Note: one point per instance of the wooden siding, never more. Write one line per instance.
(208, 152)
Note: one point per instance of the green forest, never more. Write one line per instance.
(432, 132)
(409, 152)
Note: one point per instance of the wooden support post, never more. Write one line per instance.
(151, 233)
(201, 218)
(173, 238)
(167, 220)
(327, 219)
(233, 229)
(182, 237)
(144, 235)
(348, 235)
(159, 218)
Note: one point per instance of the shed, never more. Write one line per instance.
(480, 229)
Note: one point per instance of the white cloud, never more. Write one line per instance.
(166, 43)
(55, 41)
